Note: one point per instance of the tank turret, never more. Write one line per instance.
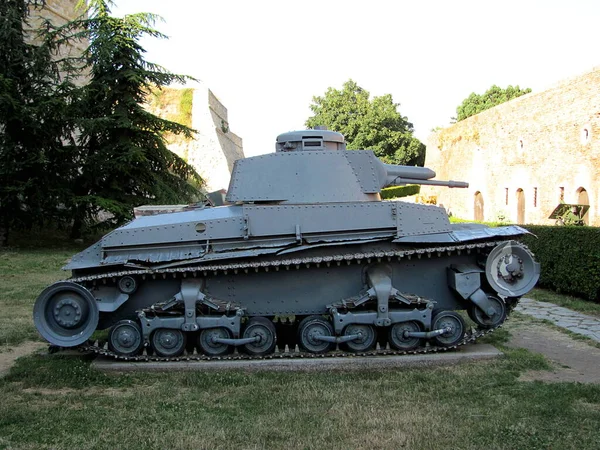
(305, 254)
(313, 166)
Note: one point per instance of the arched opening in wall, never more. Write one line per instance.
(520, 206)
(584, 199)
(478, 207)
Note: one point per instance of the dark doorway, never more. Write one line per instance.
(520, 206)
(584, 199)
(478, 207)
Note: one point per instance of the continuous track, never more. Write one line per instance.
(287, 264)
(471, 336)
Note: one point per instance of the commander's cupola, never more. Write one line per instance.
(310, 140)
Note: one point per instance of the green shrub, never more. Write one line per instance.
(400, 191)
(185, 107)
(489, 224)
(570, 258)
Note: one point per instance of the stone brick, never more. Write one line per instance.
(58, 12)
(214, 148)
(537, 143)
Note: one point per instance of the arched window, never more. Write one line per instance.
(520, 206)
(478, 207)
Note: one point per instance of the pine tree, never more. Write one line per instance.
(33, 121)
(123, 160)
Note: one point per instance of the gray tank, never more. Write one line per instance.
(305, 257)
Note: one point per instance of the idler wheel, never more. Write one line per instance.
(207, 344)
(125, 338)
(263, 330)
(366, 341)
(511, 270)
(455, 326)
(489, 321)
(399, 341)
(168, 342)
(309, 331)
(66, 314)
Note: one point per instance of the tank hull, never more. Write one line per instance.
(281, 287)
(327, 281)
(306, 255)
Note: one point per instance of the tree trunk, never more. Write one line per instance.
(3, 235)
(4, 227)
(78, 222)
(76, 228)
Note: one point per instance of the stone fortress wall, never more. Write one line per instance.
(214, 148)
(58, 12)
(523, 157)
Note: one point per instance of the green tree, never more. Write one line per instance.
(494, 96)
(33, 121)
(370, 124)
(122, 159)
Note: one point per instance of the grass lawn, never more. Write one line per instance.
(58, 402)
(24, 273)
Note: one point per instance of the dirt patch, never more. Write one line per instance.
(573, 360)
(45, 391)
(88, 392)
(586, 406)
(8, 356)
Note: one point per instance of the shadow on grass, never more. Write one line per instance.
(67, 403)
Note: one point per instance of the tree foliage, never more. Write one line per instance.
(122, 159)
(494, 96)
(69, 152)
(370, 124)
(34, 118)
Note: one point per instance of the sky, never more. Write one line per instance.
(265, 60)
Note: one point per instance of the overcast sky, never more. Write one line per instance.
(265, 60)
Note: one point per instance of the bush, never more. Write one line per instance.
(489, 224)
(400, 191)
(570, 258)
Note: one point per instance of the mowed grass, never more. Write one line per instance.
(24, 272)
(61, 402)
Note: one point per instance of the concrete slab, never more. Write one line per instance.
(465, 353)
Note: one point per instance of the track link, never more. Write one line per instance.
(278, 263)
(287, 264)
(471, 337)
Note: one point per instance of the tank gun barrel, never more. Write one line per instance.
(393, 175)
(449, 183)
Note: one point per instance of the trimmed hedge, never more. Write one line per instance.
(570, 258)
(400, 191)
